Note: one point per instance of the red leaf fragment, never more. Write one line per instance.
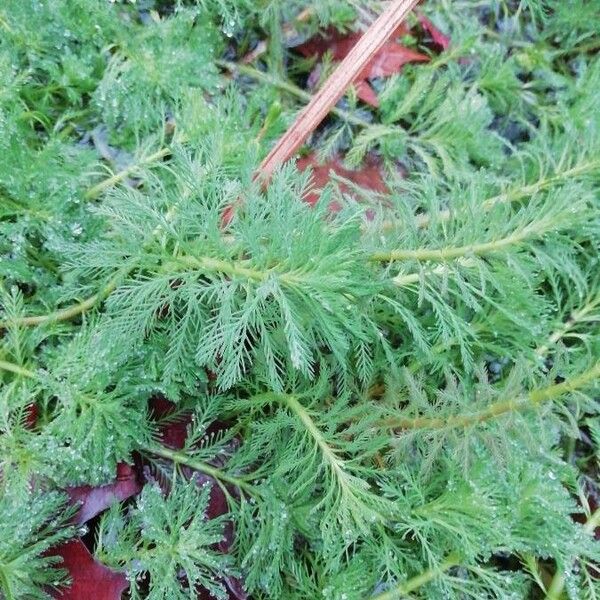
(387, 61)
(173, 431)
(94, 500)
(368, 176)
(390, 59)
(32, 413)
(227, 216)
(366, 93)
(439, 38)
(89, 578)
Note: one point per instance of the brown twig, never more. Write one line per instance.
(334, 88)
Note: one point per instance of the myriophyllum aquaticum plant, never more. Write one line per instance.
(218, 388)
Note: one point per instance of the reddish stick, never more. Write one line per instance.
(334, 88)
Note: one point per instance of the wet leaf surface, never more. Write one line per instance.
(89, 578)
(368, 176)
(94, 500)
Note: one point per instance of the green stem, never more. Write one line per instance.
(577, 316)
(64, 314)
(113, 180)
(328, 453)
(557, 585)
(336, 464)
(453, 252)
(215, 265)
(419, 580)
(410, 278)
(287, 87)
(5, 585)
(183, 459)
(205, 263)
(499, 408)
(16, 369)
(578, 50)
(174, 455)
(423, 221)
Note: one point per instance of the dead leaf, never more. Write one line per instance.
(368, 176)
(388, 60)
(439, 38)
(32, 413)
(94, 500)
(89, 578)
(172, 426)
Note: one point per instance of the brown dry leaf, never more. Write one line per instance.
(368, 176)
(388, 60)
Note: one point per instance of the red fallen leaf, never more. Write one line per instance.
(389, 60)
(173, 431)
(227, 216)
(437, 36)
(94, 500)
(89, 578)
(32, 413)
(366, 93)
(368, 176)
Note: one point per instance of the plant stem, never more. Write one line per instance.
(215, 265)
(336, 464)
(450, 253)
(183, 459)
(16, 369)
(327, 452)
(557, 585)
(576, 317)
(64, 314)
(423, 221)
(174, 455)
(410, 278)
(419, 580)
(498, 408)
(97, 189)
(5, 584)
(233, 268)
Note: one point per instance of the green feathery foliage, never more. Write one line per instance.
(150, 543)
(31, 524)
(395, 398)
